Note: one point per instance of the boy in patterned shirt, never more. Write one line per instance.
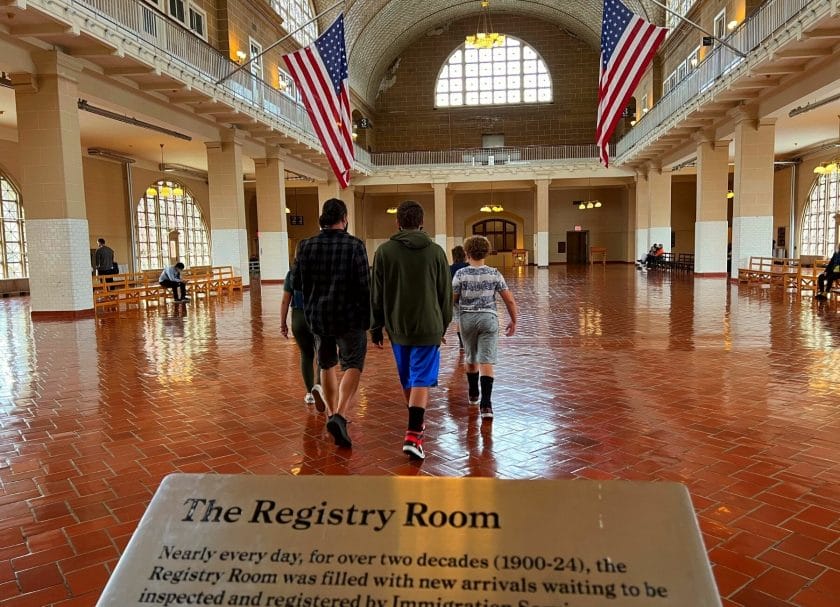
(474, 291)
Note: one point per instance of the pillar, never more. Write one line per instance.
(440, 214)
(354, 225)
(642, 219)
(326, 190)
(659, 183)
(541, 223)
(451, 240)
(752, 211)
(271, 215)
(711, 227)
(227, 204)
(58, 241)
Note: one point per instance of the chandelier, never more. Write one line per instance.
(492, 208)
(484, 36)
(830, 167)
(164, 189)
(591, 203)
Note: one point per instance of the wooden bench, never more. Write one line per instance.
(663, 262)
(133, 288)
(684, 262)
(598, 255)
(784, 272)
(758, 271)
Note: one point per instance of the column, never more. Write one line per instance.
(348, 196)
(451, 240)
(52, 187)
(541, 223)
(711, 228)
(271, 215)
(440, 214)
(659, 183)
(752, 211)
(643, 239)
(227, 204)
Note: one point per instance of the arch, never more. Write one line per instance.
(509, 74)
(13, 259)
(502, 233)
(819, 232)
(170, 227)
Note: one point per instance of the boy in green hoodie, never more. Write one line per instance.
(411, 296)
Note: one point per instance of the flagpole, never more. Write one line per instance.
(294, 31)
(711, 35)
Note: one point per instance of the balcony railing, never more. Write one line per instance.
(719, 62)
(144, 24)
(484, 156)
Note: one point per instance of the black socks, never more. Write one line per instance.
(416, 416)
(486, 390)
(472, 383)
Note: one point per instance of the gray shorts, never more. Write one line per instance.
(480, 334)
(349, 349)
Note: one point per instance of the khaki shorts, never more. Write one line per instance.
(480, 334)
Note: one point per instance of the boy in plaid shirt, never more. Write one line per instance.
(333, 273)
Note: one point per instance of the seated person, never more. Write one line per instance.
(658, 252)
(171, 278)
(832, 271)
(650, 255)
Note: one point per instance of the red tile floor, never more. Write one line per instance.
(612, 375)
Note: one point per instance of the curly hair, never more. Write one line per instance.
(477, 247)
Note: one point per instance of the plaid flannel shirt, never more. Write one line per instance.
(332, 271)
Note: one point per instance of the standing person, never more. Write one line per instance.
(170, 278)
(459, 260)
(104, 259)
(827, 278)
(303, 336)
(332, 272)
(411, 297)
(474, 290)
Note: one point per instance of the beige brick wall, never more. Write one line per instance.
(407, 120)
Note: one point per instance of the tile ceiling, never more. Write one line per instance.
(379, 30)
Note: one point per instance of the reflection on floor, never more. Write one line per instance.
(613, 375)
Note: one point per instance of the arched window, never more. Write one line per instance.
(819, 221)
(500, 232)
(295, 13)
(507, 74)
(170, 227)
(12, 237)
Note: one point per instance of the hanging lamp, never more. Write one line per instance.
(484, 36)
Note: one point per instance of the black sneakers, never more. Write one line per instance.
(337, 426)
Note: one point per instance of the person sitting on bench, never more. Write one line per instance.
(171, 278)
(832, 271)
(653, 259)
(642, 263)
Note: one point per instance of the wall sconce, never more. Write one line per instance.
(732, 25)
(633, 122)
(391, 210)
(241, 56)
(730, 195)
(644, 110)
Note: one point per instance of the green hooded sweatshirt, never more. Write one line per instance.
(411, 290)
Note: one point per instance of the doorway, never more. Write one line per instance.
(577, 247)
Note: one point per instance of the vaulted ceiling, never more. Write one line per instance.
(378, 31)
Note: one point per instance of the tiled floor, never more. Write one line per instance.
(613, 375)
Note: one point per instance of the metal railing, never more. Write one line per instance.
(184, 49)
(761, 25)
(483, 156)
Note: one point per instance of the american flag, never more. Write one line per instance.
(320, 73)
(628, 44)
